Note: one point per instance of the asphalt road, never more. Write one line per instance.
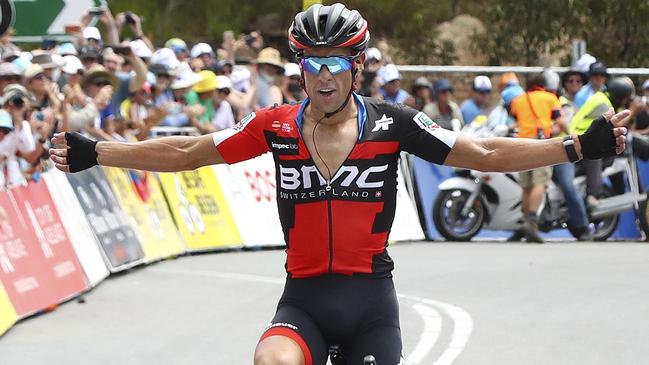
(462, 303)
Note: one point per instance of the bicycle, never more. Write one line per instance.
(337, 358)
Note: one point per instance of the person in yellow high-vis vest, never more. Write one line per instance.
(619, 95)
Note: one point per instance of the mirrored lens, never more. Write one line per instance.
(335, 65)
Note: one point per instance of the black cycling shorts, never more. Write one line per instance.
(359, 314)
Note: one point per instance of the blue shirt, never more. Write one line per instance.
(470, 110)
(176, 118)
(121, 93)
(584, 93)
(399, 98)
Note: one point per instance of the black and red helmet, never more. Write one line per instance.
(328, 26)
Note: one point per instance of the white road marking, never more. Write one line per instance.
(429, 336)
(463, 323)
(461, 331)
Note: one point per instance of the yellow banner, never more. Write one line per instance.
(307, 3)
(7, 313)
(141, 199)
(198, 205)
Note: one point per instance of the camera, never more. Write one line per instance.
(128, 17)
(18, 102)
(250, 39)
(95, 11)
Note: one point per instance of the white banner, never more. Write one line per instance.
(76, 225)
(250, 191)
(406, 225)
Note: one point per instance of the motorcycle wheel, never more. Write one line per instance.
(446, 215)
(603, 228)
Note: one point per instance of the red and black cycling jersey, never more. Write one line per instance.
(342, 228)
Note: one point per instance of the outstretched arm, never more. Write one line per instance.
(167, 154)
(520, 154)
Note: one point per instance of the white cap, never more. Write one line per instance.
(552, 80)
(482, 83)
(91, 33)
(72, 65)
(373, 53)
(186, 79)
(240, 77)
(201, 48)
(388, 73)
(645, 85)
(223, 82)
(141, 49)
(165, 57)
(292, 69)
(583, 63)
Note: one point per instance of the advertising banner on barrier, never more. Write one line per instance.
(36, 204)
(406, 226)
(74, 220)
(38, 266)
(8, 315)
(249, 188)
(197, 203)
(117, 238)
(158, 240)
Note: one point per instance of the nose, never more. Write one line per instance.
(324, 74)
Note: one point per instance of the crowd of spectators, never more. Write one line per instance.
(115, 84)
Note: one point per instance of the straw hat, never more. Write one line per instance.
(270, 56)
(98, 72)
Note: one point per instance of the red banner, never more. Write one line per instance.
(38, 265)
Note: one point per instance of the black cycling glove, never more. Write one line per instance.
(81, 154)
(598, 141)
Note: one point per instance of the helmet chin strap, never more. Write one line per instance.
(344, 104)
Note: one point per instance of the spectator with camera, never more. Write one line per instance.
(292, 90)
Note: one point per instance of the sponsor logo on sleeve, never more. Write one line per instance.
(424, 121)
(244, 122)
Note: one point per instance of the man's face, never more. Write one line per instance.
(481, 97)
(163, 81)
(573, 84)
(9, 79)
(392, 87)
(444, 97)
(88, 62)
(597, 81)
(327, 91)
(112, 63)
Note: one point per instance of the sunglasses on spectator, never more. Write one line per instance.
(13, 78)
(335, 64)
(164, 76)
(101, 83)
(574, 81)
(225, 91)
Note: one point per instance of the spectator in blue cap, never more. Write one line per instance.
(476, 105)
(443, 110)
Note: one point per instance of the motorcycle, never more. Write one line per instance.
(474, 200)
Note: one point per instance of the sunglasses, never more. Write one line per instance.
(163, 76)
(10, 78)
(574, 81)
(335, 64)
(101, 83)
(225, 91)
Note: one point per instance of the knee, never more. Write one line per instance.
(276, 356)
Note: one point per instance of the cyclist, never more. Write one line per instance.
(336, 161)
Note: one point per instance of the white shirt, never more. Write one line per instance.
(223, 116)
(18, 140)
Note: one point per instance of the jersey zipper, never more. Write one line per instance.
(331, 238)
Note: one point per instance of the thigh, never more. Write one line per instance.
(293, 323)
(384, 343)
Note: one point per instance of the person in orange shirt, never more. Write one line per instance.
(539, 116)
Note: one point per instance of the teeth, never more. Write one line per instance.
(326, 90)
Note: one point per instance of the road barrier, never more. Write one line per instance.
(64, 234)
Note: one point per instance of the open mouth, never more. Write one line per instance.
(326, 92)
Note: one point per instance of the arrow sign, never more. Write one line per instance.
(39, 18)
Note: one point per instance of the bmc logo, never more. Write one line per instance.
(292, 178)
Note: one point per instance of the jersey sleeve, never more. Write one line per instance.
(243, 141)
(422, 137)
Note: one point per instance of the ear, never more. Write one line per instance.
(361, 59)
